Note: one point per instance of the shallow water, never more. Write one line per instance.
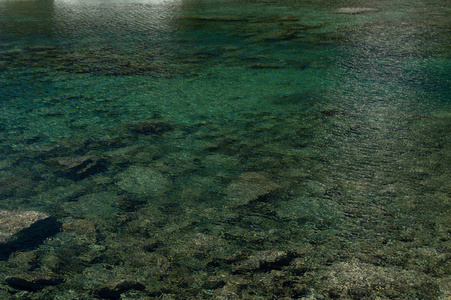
(225, 149)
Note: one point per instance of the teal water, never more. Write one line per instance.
(225, 149)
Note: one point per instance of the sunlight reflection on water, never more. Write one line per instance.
(128, 17)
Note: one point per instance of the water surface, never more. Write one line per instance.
(225, 149)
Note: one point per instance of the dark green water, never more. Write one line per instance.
(225, 149)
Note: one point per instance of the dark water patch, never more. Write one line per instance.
(150, 127)
(115, 292)
(131, 204)
(266, 66)
(303, 99)
(31, 286)
(107, 142)
(78, 168)
(264, 261)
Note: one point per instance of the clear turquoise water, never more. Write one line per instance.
(347, 114)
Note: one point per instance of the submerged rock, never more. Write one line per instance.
(23, 231)
(357, 280)
(213, 283)
(142, 180)
(249, 187)
(80, 167)
(16, 186)
(264, 261)
(11, 222)
(93, 206)
(315, 188)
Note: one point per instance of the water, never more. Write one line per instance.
(225, 149)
